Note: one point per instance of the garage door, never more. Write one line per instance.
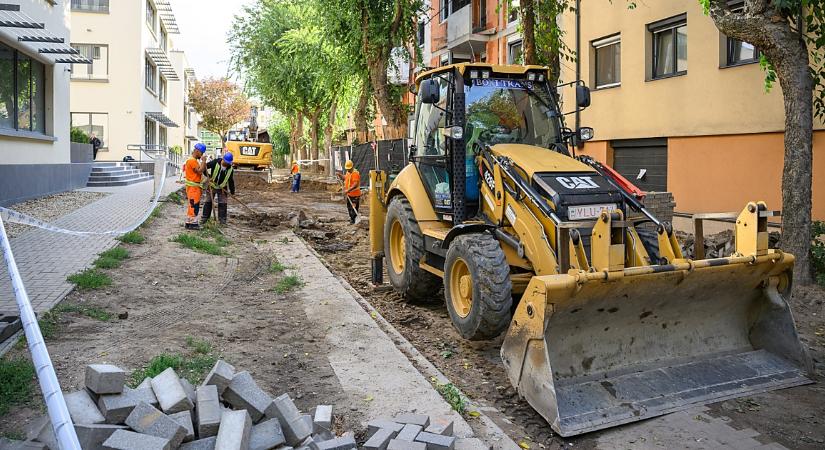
(643, 162)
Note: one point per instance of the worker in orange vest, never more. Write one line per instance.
(193, 172)
(296, 177)
(352, 190)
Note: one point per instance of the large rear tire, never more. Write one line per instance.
(403, 249)
(477, 286)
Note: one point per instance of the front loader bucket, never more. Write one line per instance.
(590, 350)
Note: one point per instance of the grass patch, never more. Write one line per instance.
(211, 230)
(112, 258)
(288, 283)
(199, 345)
(132, 237)
(193, 368)
(13, 435)
(277, 267)
(92, 312)
(452, 396)
(198, 244)
(16, 383)
(90, 279)
(174, 197)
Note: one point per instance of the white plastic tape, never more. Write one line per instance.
(12, 216)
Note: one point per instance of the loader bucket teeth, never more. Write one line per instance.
(590, 353)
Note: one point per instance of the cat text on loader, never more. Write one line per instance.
(606, 322)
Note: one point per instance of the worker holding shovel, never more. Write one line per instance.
(352, 190)
(219, 174)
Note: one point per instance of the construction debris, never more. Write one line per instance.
(719, 245)
(228, 411)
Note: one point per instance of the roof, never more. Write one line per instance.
(162, 61)
(167, 16)
(162, 118)
(462, 67)
(29, 30)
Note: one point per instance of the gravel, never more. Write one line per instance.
(51, 208)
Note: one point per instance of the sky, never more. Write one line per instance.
(203, 26)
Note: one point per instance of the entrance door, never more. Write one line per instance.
(643, 162)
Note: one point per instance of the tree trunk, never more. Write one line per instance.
(377, 57)
(299, 137)
(528, 25)
(361, 123)
(313, 137)
(328, 130)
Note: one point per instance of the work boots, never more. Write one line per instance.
(222, 213)
(207, 212)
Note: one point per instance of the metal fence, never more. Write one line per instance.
(391, 157)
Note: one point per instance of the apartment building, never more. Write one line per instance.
(36, 158)
(133, 93)
(181, 110)
(679, 107)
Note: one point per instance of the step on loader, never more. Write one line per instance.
(605, 321)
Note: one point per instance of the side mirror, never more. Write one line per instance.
(582, 96)
(429, 91)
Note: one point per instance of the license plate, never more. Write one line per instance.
(588, 211)
(249, 151)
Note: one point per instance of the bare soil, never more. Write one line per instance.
(171, 293)
(792, 417)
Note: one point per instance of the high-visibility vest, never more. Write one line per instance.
(213, 184)
(193, 183)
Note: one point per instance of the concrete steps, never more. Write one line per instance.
(108, 174)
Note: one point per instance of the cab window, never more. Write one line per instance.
(428, 138)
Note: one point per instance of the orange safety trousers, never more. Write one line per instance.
(193, 194)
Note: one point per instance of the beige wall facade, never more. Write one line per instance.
(723, 131)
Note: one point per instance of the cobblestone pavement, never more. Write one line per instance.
(45, 259)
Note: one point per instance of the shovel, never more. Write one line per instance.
(244, 205)
(357, 215)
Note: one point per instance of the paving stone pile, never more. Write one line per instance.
(229, 411)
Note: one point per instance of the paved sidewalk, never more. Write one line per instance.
(45, 258)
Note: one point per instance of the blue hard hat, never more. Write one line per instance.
(201, 147)
(227, 158)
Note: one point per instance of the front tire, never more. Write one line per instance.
(477, 286)
(403, 249)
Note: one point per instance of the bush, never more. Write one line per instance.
(818, 251)
(79, 136)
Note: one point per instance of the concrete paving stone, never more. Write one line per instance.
(82, 408)
(309, 444)
(266, 435)
(116, 407)
(147, 419)
(189, 389)
(143, 394)
(376, 424)
(416, 419)
(323, 418)
(147, 382)
(41, 430)
(471, 444)
(409, 432)
(129, 440)
(244, 393)
(283, 409)
(404, 445)
(440, 425)
(380, 439)
(184, 418)
(298, 429)
(200, 444)
(208, 411)
(105, 379)
(221, 375)
(436, 441)
(170, 392)
(91, 437)
(8, 444)
(236, 427)
(323, 435)
(341, 443)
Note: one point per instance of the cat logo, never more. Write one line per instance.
(577, 182)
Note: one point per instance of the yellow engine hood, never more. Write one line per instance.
(532, 159)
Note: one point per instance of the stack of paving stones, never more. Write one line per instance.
(9, 324)
(229, 411)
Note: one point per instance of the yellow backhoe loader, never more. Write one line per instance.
(606, 321)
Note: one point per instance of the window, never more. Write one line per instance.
(164, 38)
(608, 61)
(150, 75)
(455, 5)
(428, 137)
(514, 52)
(741, 53)
(479, 15)
(98, 69)
(151, 15)
(163, 89)
(97, 123)
(22, 92)
(162, 136)
(149, 132)
(444, 12)
(512, 12)
(669, 47)
(420, 33)
(101, 6)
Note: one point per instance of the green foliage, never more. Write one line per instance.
(48, 323)
(79, 136)
(90, 279)
(453, 397)
(174, 197)
(111, 259)
(177, 149)
(92, 312)
(199, 345)
(288, 283)
(132, 237)
(16, 383)
(818, 252)
(194, 368)
(277, 267)
(198, 244)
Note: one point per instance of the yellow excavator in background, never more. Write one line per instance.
(606, 321)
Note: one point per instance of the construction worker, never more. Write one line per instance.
(221, 181)
(352, 190)
(296, 176)
(193, 172)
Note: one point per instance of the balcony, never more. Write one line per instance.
(466, 29)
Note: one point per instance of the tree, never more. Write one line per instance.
(542, 39)
(790, 35)
(220, 103)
